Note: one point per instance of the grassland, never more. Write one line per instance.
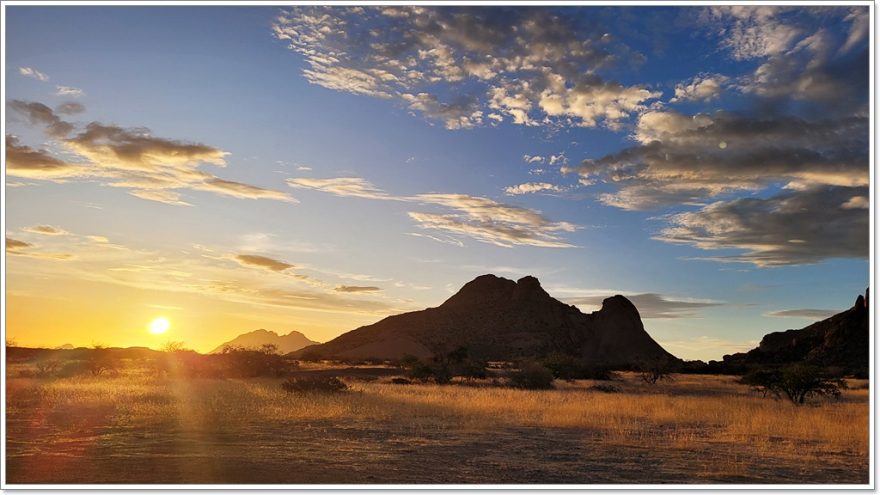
(139, 428)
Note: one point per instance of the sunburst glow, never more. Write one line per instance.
(159, 325)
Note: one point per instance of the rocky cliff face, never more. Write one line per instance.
(499, 319)
(840, 341)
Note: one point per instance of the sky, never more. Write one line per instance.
(319, 168)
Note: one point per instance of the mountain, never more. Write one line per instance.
(293, 341)
(499, 319)
(840, 341)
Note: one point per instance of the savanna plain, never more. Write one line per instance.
(135, 426)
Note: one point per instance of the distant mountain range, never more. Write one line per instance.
(293, 341)
(840, 341)
(499, 319)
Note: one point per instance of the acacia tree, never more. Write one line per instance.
(796, 382)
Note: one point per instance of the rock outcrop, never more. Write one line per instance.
(840, 341)
(499, 319)
(293, 341)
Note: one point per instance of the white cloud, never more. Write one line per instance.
(532, 187)
(69, 91)
(704, 87)
(34, 73)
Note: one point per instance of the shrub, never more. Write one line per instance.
(531, 376)
(568, 367)
(796, 382)
(400, 381)
(314, 384)
(655, 372)
(608, 389)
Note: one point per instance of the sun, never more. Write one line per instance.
(159, 325)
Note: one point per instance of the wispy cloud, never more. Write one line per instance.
(480, 218)
(69, 91)
(150, 167)
(809, 314)
(357, 289)
(262, 262)
(34, 73)
(651, 305)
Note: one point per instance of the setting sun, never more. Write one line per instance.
(159, 325)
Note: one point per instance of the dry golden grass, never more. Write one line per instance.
(736, 432)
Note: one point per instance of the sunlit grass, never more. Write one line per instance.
(732, 425)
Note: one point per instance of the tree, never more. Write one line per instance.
(796, 382)
(656, 371)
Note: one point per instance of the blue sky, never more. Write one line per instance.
(315, 169)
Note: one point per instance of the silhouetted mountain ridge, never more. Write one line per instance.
(499, 319)
(840, 341)
(291, 342)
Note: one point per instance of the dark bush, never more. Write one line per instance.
(568, 367)
(316, 384)
(655, 371)
(608, 389)
(400, 381)
(796, 382)
(531, 376)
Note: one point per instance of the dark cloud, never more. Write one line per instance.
(791, 228)
(15, 244)
(356, 288)
(153, 168)
(24, 161)
(683, 158)
(462, 65)
(70, 108)
(39, 114)
(262, 262)
(652, 305)
(810, 314)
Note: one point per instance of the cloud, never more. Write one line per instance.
(160, 196)
(687, 159)
(810, 314)
(480, 218)
(39, 114)
(791, 228)
(262, 262)
(704, 87)
(240, 190)
(151, 167)
(70, 108)
(24, 161)
(457, 65)
(45, 230)
(443, 240)
(533, 158)
(31, 72)
(357, 289)
(801, 58)
(342, 186)
(491, 222)
(532, 187)
(15, 244)
(750, 32)
(652, 305)
(68, 91)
